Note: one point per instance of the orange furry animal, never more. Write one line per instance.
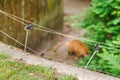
(77, 47)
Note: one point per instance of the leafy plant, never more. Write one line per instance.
(102, 21)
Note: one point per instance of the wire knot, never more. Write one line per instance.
(96, 46)
(29, 27)
(42, 54)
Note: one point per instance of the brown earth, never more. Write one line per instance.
(58, 51)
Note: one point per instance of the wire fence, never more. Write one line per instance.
(48, 30)
(43, 28)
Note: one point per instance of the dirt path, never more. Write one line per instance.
(62, 68)
(59, 50)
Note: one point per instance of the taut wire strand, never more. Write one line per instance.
(48, 30)
(55, 32)
(26, 40)
(3, 12)
(17, 41)
(90, 59)
(49, 57)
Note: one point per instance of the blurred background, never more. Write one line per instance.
(55, 21)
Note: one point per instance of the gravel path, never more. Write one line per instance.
(62, 68)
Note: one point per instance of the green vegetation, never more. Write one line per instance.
(102, 22)
(10, 70)
(66, 77)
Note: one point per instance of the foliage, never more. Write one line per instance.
(21, 71)
(102, 21)
(3, 56)
(112, 65)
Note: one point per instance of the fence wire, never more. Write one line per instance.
(45, 29)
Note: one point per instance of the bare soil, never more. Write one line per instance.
(58, 50)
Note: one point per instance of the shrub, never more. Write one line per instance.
(102, 21)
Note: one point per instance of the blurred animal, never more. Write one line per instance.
(78, 48)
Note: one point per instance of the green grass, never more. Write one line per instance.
(20, 71)
(3, 56)
(66, 77)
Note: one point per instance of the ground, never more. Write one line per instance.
(61, 68)
(80, 73)
(71, 7)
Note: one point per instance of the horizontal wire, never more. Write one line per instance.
(49, 32)
(46, 30)
(43, 29)
(108, 47)
(27, 21)
(49, 57)
(3, 12)
(52, 31)
(59, 34)
(15, 19)
(30, 48)
(90, 59)
(55, 32)
(16, 40)
(52, 58)
(74, 38)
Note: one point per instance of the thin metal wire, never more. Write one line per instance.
(58, 33)
(3, 12)
(50, 30)
(17, 41)
(108, 48)
(30, 48)
(74, 37)
(90, 59)
(54, 32)
(49, 57)
(14, 19)
(26, 40)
